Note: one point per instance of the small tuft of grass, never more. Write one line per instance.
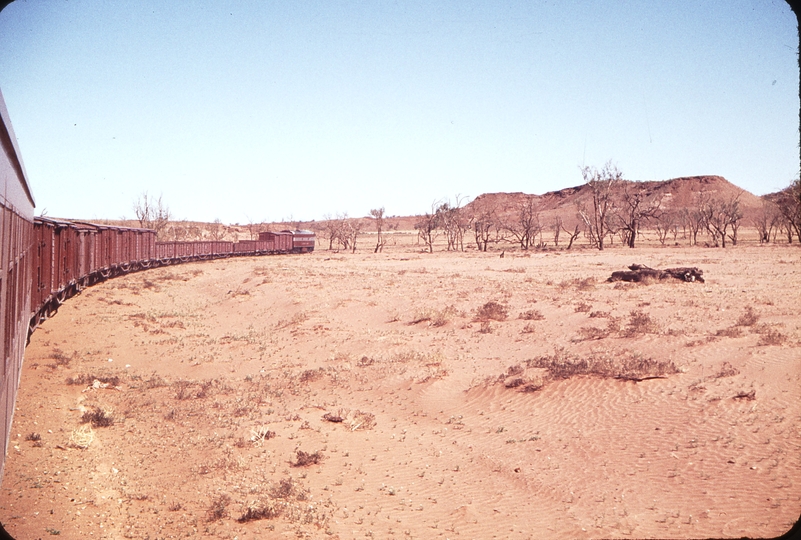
(485, 328)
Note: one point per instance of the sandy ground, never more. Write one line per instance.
(369, 395)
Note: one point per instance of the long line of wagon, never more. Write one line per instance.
(73, 255)
(45, 261)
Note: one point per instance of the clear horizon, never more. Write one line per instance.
(244, 111)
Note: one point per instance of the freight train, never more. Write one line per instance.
(46, 261)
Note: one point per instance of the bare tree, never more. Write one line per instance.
(665, 222)
(152, 213)
(597, 219)
(694, 219)
(216, 230)
(577, 230)
(767, 221)
(487, 227)
(722, 219)
(428, 226)
(378, 217)
(635, 208)
(350, 232)
(454, 222)
(556, 227)
(329, 229)
(525, 225)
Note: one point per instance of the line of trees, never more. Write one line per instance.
(610, 207)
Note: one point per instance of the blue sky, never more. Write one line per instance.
(276, 110)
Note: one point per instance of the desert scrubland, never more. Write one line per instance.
(413, 395)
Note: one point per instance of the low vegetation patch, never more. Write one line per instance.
(531, 315)
(492, 311)
(640, 323)
(617, 365)
(749, 317)
(97, 417)
(305, 459)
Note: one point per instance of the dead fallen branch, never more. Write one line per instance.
(639, 272)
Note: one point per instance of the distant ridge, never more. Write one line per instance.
(676, 193)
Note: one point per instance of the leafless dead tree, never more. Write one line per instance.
(598, 219)
(428, 226)
(767, 221)
(722, 219)
(151, 212)
(378, 219)
(635, 207)
(577, 230)
(525, 225)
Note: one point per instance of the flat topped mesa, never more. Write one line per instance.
(640, 272)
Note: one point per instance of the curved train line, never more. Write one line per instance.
(46, 261)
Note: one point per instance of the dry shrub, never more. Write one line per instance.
(486, 327)
(726, 370)
(749, 317)
(362, 420)
(365, 361)
(305, 459)
(529, 329)
(640, 323)
(421, 316)
(531, 315)
(731, 332)
(218, 508)
(588, 333)
(627, 365)
(443, 316)
(583, 307)
(33, 437)
(336, 418)
(260, 434)
(585, 284)
(311, 375)
(492, 311)
(61, 359)
(82, 437)
(770, 336)
(97, 417)
(599, 314)
(257, 511)
(284, 490)
(87, 379)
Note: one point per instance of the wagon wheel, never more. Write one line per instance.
(106, 273)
